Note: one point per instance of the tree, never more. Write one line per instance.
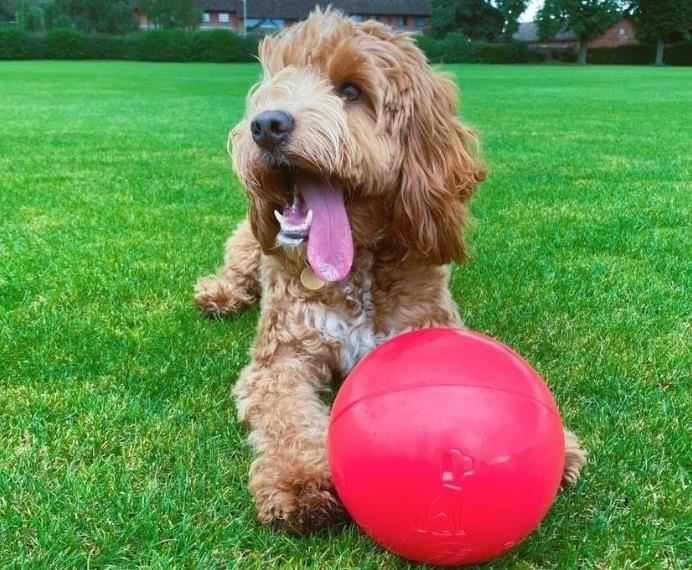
(108, 16)
(54, 17)
(30, 16)
(7, 11)
(476, 19)
(172, 13)
(510, 10)
(586, 18)
(663, 22)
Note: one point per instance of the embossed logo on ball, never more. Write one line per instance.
(444, 514)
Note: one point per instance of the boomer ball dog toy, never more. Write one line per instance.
(445, 446)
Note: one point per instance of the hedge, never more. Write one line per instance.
(17, 44)
(679, 54)
(623, 55)
(676, 54)
(66, 44)
(455, 48)
(227, 46)
(152, 45)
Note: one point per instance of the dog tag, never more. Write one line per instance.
(310, 280)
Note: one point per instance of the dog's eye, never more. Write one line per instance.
(349, 92)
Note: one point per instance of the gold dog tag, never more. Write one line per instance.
(310, 280)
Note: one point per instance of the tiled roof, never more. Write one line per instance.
(528, 32)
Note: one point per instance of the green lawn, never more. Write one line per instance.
(119, 441)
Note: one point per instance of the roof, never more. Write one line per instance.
(528, 32)
(299, 9)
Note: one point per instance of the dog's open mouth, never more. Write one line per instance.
(317, 215)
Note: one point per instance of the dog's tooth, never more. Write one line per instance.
(308, 219)
(279, 218)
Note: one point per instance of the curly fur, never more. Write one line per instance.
(408, 168)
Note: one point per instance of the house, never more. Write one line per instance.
(621, 33)
(266, 16)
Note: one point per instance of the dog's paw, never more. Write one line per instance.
(308, 511)
(575, 459)
(216, 297)
(292, 500)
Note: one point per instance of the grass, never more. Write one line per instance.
(119, 441)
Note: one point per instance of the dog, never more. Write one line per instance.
(358, 174)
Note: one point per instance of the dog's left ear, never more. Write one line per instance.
(438, 169)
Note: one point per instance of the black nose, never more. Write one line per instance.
(271, 128)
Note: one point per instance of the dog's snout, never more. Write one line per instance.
(271, 128)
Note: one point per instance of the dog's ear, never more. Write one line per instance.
(263, 187)
(438, 169)
(262, 221)
(265, 195)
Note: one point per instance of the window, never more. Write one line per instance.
(224, 17)
(622, 32)
(420, 22)
(357, 17)
(206, 17)
(401, 22)
(266, 25)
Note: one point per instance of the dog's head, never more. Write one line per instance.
(351, 138)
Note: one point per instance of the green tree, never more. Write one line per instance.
(510, 10)
(586, 18)
(108, 16)
(182, 14)
(6, 11)
(663, 22)
(55, 17)
(476, 19)
(30, 16)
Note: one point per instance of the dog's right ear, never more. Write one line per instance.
(438, 169)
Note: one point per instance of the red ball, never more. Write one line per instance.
(445, 446)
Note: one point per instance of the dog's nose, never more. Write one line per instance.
(271, 128)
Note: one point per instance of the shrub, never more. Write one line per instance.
(66, 43)
(161, 45)
(456, 48)
(506, 53)
(679, 54)
(153, 45)
(566, 55)
(624, 55)
(222, 46)
(227, 46)
(110, 47)
(433, 48)
(14, 44)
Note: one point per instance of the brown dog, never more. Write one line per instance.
(359, 174)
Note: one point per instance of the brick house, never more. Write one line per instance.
(266, 16)
(621, 33)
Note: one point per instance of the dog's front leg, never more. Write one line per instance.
(236, 284)
(278, 397)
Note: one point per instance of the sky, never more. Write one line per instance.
(530, 12)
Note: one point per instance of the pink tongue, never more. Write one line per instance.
(330, 244)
